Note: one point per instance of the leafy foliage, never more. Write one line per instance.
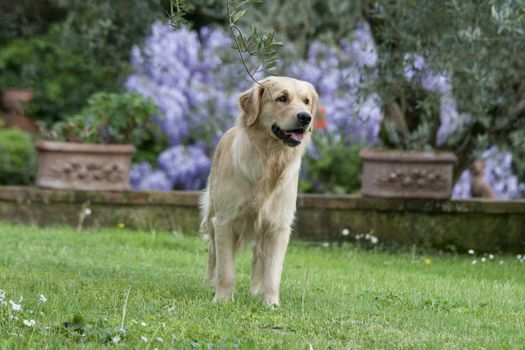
(15, 70)
(297, 22)
(66, 50)
(109, 118)
(80, 330)
(332, 167)
(17, 157)
(258, 52)
(261, 45)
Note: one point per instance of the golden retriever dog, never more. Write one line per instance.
(252, 187)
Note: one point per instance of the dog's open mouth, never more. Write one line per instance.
(289, 137)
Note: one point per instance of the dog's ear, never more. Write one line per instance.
(250, 102)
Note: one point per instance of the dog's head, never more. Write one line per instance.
(282, 107)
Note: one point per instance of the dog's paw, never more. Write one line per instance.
(271, 301)
(223, 297)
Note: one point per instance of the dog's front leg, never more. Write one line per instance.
(273, 247)
(225, 244)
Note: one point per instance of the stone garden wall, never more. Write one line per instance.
(483, 225)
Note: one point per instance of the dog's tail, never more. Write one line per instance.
(206, 230)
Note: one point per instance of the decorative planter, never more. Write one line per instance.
(79, 166)
(407, 174)
(14, 102)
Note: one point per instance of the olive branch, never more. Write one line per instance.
(257, 44)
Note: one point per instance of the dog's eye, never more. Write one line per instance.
(283, 98)
(306, 101)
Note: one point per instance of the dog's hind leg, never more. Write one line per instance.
(211, 272)
(207, 230)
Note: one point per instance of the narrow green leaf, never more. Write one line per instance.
(237, 15)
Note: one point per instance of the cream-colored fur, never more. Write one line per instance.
(252, 188)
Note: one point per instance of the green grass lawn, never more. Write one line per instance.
(332, 297)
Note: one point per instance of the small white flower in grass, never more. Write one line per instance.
(491, 256)
(471, 251)
(29, 323)
(474, 262)
(160, 340)
(373, 239)
(501, 262)
(2, 295)
(116, 339)
(15, 306)
(325, 245)
(87, 211)
(483, 259)
(143, 324)
(144, 339)
(42, 299)
(345, 232)
(518, 256)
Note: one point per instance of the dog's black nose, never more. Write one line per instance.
(304, 118)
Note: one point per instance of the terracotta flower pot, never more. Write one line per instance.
(79, 166)
(407, 174)
(16, 100)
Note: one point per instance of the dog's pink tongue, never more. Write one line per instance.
(297, 136)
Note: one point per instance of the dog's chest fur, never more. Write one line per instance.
(270, 183)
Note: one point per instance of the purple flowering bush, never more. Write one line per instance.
(195, 78)
(339, 74)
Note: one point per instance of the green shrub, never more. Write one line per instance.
(61, 75)
(66, 50)
(17, 65)
(108, 119)
(335, 166)
(17, 157)
(113, 119)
